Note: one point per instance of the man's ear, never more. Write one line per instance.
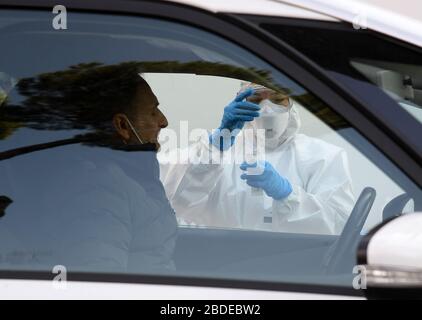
(121, 126)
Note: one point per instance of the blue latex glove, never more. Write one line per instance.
(270, 180)
(235, 115)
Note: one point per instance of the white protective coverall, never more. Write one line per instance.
(213, 195)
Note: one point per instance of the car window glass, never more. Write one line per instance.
(88, 118)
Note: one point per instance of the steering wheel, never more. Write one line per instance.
(337, 259)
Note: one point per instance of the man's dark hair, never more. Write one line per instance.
(85, 96)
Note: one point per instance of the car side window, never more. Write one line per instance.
(139, 145)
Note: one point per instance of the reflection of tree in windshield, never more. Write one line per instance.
(82, 97)
(85, 96)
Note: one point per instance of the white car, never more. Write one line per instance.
(354, 72)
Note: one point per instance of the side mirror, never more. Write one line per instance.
(390, 257)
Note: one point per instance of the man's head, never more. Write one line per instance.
(142, 121)
(104, 100)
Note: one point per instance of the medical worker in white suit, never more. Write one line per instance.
(305, 182)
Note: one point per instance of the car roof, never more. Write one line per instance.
(257, 7)
(383, 17)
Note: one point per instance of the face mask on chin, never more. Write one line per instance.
(274, 119)
(143, 145)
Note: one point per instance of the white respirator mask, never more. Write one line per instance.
(273, 118)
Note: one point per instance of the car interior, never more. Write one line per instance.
(403, 82)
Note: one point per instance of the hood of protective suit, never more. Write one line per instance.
(293, 127)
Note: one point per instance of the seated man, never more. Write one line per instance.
(97, 204)
(306, 181)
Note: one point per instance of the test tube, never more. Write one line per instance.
(251, 156)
